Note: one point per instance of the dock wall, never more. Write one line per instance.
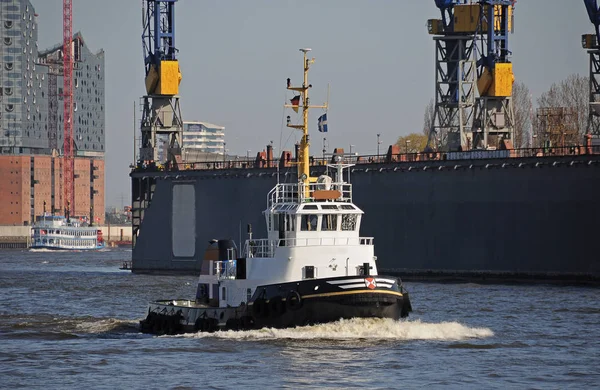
(522, 216)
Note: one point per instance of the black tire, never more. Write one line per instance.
(232, 324)
(170, 325)
(212, 325)
(247, 322)
(293, 300)
(260, 308)
(276, 306)
(199, 325)
(157, 325)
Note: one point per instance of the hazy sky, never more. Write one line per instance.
(235, 56)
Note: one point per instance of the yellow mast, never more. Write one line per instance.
(304, 155)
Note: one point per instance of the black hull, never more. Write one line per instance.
(288, 305)
(331, 309)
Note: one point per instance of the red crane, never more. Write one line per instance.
(68, 160)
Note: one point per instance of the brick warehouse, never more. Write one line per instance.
(31, 108)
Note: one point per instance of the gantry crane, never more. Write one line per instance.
(590, 42)
(472, 54)
(68, 157)
(161, 116)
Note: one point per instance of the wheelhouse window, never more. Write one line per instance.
(309, 222)
(349, 222)
(329, 222)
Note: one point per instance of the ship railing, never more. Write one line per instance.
(394, 155)
(226, 269)
(313, 192)
(266, 247)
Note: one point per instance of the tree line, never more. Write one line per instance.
(560, 118)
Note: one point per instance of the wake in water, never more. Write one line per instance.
(46, 326)
(359, 329)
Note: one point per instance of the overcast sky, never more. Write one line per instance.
(235, 56)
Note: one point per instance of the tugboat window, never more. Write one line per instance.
(309, 222)
(309, 272)
(329, 222)
(275, 222)
(349, 222)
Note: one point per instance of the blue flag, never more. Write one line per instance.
(323, 123)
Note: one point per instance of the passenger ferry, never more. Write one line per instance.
(312, 268)
(57, 232)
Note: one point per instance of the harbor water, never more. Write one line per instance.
(70, 320)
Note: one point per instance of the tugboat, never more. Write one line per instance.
(313, 267)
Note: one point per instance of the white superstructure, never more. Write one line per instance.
(313, 233)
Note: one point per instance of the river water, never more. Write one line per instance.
(70, 320)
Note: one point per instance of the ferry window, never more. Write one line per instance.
(349, 222)
(275, 222)
(329, 207)
(311, 207)
(309, 222)
(329, 222)
(224, 293)
(347, 207)
(248, 294)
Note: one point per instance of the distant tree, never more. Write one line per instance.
(428, 118)
(522, 106)
(571, 93)
(416, 144)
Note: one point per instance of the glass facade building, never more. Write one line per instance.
(31, 89)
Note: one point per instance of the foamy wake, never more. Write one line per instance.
(360, 328)
(106, 326)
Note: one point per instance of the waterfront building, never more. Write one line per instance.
(31, 121)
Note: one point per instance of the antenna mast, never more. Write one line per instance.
(304, 154)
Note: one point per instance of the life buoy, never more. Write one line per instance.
(276, 306)
(260, 308)
(293, 300)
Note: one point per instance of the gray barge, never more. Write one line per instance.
(460, 216)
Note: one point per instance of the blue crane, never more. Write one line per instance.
(482, 26)
(161, 116)
(162, 69)
(594, 14)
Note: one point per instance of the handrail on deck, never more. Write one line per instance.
(304, 193)
(266, 248)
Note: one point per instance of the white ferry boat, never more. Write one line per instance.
(56, 232)
(313, 267)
